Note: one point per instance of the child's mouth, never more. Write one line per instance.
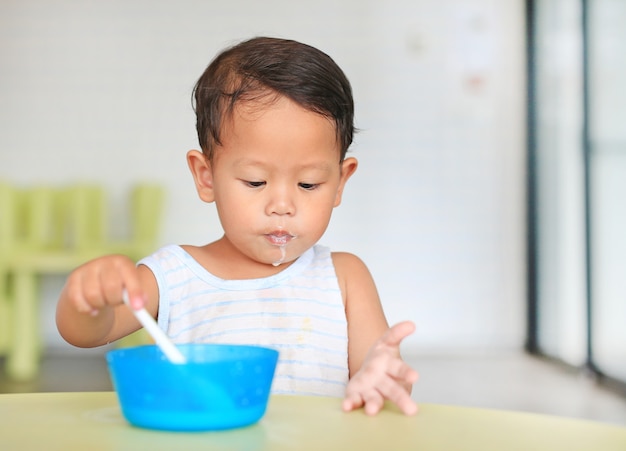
(279, 238)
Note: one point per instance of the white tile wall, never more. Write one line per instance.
(101, 91)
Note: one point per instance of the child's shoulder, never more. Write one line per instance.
(345, 258)
(349, 266)
(356, 282)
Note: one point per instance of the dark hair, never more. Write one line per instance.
(262, 68)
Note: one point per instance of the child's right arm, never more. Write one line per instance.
(90, 311)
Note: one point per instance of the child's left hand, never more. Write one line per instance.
(383, 375)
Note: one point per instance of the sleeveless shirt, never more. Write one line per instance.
(298, 311)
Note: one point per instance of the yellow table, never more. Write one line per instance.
(92, 421)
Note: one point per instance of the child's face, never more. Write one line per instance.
(276, 179)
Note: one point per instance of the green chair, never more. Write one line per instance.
(62, 229)
(52, 221)
(41, 249)
(8, 236)
(86, 217)
(145, 207)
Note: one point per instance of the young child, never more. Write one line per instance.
(274, 121)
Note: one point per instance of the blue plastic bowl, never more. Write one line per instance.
(220, 386)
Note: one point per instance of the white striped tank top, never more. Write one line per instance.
(299, 312)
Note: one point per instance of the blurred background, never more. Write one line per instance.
(488, 203)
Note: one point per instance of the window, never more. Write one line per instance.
(577, 177)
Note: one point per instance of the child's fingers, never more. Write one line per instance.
(134, 291)
(400, 370)
(400, 397)
(100, 282)
(373, 402)
(383, 376)
(81, 303)
(369, 398)
(397, 394)
(123, 275)
(397, 333)
(406, 404)
(135, 297)
(111, 283)
(352, 401)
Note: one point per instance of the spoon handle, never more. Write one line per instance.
(161, 339)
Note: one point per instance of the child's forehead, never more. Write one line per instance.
(252, 161)
(281, 132)
(259, 108)
(277, 121)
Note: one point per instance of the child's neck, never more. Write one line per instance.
(223, 260)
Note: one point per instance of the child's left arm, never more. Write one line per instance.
(377, 372)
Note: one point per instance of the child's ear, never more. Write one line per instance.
(348, 166)
(202, 174)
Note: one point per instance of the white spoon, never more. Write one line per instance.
(163, 342)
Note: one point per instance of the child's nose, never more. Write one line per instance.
(281, 201)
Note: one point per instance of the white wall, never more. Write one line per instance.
(101, 91)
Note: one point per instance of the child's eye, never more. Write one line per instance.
(308, 186)
(254, 184)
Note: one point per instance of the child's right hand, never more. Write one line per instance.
(99, 284)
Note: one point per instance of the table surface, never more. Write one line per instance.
(93, 421)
